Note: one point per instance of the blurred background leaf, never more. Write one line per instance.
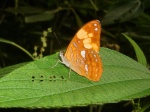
(139, 53)
(123, 11)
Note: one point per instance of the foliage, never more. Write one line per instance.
(22, 23)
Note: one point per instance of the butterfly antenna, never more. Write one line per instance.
(57, 39)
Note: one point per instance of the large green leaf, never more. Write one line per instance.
(36, 84)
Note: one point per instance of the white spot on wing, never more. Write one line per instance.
(94, 55)
(96, 29)
(83, 54)
(96, 60)
(75, 45)
(95, 24)
(86, 68)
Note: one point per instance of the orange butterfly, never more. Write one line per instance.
(82, 53)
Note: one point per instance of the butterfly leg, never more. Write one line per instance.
(69, 72)
(59, 61)
(56, 64)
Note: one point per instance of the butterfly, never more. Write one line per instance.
(82, 55)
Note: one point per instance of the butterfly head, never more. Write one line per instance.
(63, 59)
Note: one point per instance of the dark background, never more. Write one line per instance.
(23, 22)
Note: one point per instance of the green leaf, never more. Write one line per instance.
(33, 14)
(9, 69)
(37, 84)
(139, 53)
(39, 17)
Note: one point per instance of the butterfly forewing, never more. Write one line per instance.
(82, 53)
